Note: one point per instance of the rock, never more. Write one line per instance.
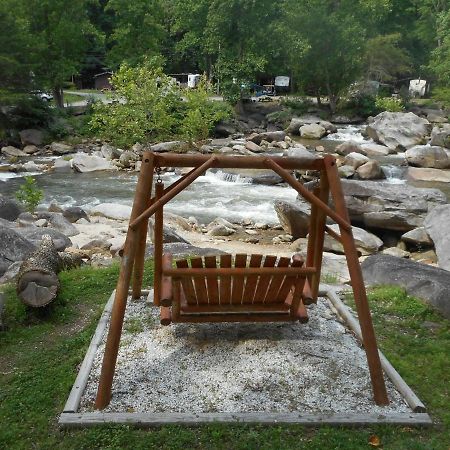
(31, 137)
(329, 127)
(427, 156)
(391, 207)
(82, 221)
(62, 165)
(85, 163)
(366, 243)
(9, 209)
(355, 160)
(294, 217)
(74, 213)
(34, 235)
(249, 145)
(59, 222)
(223, 222)
(128, 158)
(269, 136)
(11, 151)
(224, 142)
(436, 224)
(112, 211)
(14, 247)
(398, 130)
(428, 283)
(225, 129)
(26, 219)
(31, 166)
(294, 126)
(371, 149)
(346, 171)
(97, 243)
(320, 148)
(300, 152)
(30, 149)
(436, 117)
(177, 222)
(427, 257)
(41, 223)
(109, 152)
(418, 237)
(206, 149)
(8, 276)
(169, 146)
(440, 136)
(54, 207)
(226, 150)
(371, 170)
(349, 147)
(59, 148)
(221, 230)
(312, 131)
(169, 234)
(434, 175)
(397, 252)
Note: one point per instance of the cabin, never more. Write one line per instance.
(103, 81)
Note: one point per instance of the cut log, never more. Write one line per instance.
(37, 281)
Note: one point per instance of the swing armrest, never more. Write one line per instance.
(166, 281)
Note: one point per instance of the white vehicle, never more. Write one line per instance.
(193, 80)
(43, 95)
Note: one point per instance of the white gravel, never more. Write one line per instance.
(317, 367)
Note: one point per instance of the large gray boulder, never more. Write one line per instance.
(269, 136)
(434, 175)
(293, 217)
(388, 206)
(74, 213)
(9, 209)
(31, 137)
(399, 130)
(169, 146)
(441, 136)
(312, 131)
(34, 235)
(13, 247)
(59, 222)
(428, 156)
(58, 148)
(10, 151)
(431, 284)
(371, 170)
(112, 211)
(86, 163)
(299, 152)
(436, 225)
(109, 152)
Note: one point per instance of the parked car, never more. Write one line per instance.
(46, 96)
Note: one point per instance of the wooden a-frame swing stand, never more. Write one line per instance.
(250, 292)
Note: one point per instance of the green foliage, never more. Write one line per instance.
(361, 105)
(297, 105)
(149, 106)
(442, 95)
(29, 194)
(440, 60)
(391, 104)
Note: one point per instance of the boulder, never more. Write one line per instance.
(398, 130)
(34, 235)
(387, 206)
(221, 230)
(9, 209)
(355, 160)
(428, 156)
(74, 213)
(59, 148)
(293, 217)
(366, 243)
(294, 126)
(128, 158)
(437, 117)
(436, 224)
(30, 149)
(11, 151)
(440, 136)
(418, 237)
(169, 146)
(312, 131)
(31, 137)
(300, 152)
(222, 222)
(397, 252)
(97, 243)
(62, 165)
(371, 149)
(269, 136)
(346, 171)
(225, 129)
(112, 211)
(85, 163)
(14, 247)
(371, 170)
(349, 147)
(10, 274)
(329, 127)
(169, 234)
(249, 145)
(31, 166)
(434, 175)
(109, 152)
(59, 222)
(431, 284)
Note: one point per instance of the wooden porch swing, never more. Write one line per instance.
(243, 288)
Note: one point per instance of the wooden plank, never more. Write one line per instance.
(289, 281)
(178, 298)
(251, 280)
(199, 282)
(165, 315)
(257, 307)
(277, 281)
(238, 317)
(238, 278)
(212, 281)
(157, 246)
(146, 420)
(266, 271)
(264, 280)
(166, 282)
(186, 283)
(225, 281)
(307, 295)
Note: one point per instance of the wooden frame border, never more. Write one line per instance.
(72, 418)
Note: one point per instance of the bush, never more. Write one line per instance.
(297, 105)
(29, 194)
(360, 105)
(442, 95)
(391, 104)
(148, 106)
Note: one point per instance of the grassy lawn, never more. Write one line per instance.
(41, 352)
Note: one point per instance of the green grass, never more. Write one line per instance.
(41, 352)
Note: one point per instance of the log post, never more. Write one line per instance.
(143, 190)
(158, 238)
(359, 290)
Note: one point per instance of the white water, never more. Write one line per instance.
(349, 133)
(394, 174)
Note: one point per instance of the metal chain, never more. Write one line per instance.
(158, 174)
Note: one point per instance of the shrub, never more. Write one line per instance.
(442, 95)
(297, 105)
(360, 104)
(29, 194)
(391, 104)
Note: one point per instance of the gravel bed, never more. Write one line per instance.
(315, 368)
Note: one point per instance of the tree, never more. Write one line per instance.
(61, 33)
(440, 60)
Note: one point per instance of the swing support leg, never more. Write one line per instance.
(143, 191)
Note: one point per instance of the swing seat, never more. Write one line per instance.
(246, 288)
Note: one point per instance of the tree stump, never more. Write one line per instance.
(37, 281)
